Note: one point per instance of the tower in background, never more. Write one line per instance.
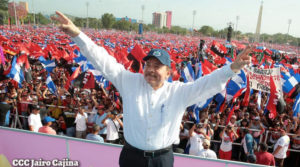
(258, 26)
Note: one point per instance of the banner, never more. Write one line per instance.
(37, 149)
(260, 79)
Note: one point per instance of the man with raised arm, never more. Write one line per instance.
(152, 107)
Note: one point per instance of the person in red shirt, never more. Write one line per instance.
(263, 157)
(47, 126)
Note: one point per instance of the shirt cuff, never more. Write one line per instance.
(80, 39)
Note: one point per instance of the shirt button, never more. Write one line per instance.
(148, 139)
(150, 116)
(149, 128)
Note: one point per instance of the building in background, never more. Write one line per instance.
(162, 19)
(24, 5)
(169, 19)
(127, 19)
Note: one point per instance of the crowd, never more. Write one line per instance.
(95, 112)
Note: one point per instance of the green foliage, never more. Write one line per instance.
(107, 20)
(122, 25)
(3, 5)
(3, 17)
(207, 30)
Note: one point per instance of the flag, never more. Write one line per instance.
(296, 106)
(138, 53)
(235, 84)
(49, 65)
(16, 72)
(85, 80)
(271, 106)
(259, 100)
(208, 67)
(24, 63)
(218, 48)
(228, 60)
(220, 99)
(290, 82)
(51, 85)
(72, 77)
(188, 73)
(198, 70)
(233, 106)
(199, 107)
(247, 93)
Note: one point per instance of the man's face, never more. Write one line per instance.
(155, 73)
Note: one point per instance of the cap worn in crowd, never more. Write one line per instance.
(48, 119)
(256, 118)
(37, 107)
(161, 55)
(114, 112)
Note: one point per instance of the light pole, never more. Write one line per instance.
(289, 25)
(143, 8)
(194, 14)
(236, 26)
(33, 12)
(87, 14)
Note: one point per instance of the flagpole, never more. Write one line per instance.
(15, 13)
(33, 12)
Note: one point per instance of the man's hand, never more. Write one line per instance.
(242, 59)
(65, 24)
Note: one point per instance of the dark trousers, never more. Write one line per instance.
(279, 162)
(131, 158)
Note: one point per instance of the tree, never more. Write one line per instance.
(80, 22)
(41, 19)
(4, 5)
(206, 30)
(108, 20)
(122, 25)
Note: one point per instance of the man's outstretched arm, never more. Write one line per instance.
(98, 56)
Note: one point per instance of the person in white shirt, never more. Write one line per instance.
(152, 107)
(34, 119)
(197, 135)
(228, 135)
(206, 152)
(81, 121)
(281, 147)
(113, 124)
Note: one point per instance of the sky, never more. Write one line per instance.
(215, 13)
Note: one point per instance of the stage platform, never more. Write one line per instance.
(24, 146)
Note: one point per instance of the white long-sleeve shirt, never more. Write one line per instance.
(151, 117)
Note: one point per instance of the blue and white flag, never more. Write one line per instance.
(51, 85)
(198, 70)
(259, 100)
(235, 84)
(16, 73)
(228, 60)
(49, 65)
(188, 73)
(290, 83)
(220, 98)
(199, 107)
(296, 107)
